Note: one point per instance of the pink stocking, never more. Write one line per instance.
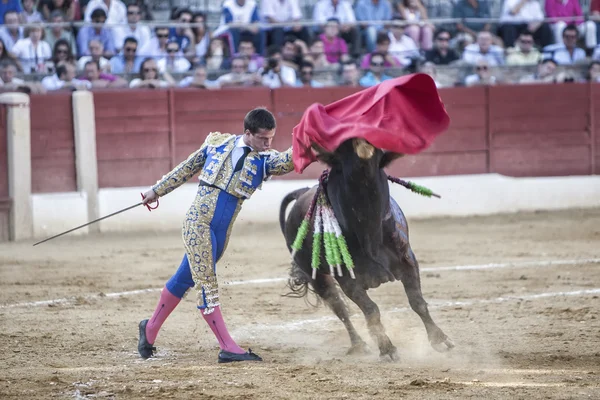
(217, 325)
(165, 306)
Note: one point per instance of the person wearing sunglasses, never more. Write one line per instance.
(375, 75)
(482, 75)
(133, 29)
(127, 62)
(174, 62)
(567, 52)
(520, 15)
(441, 54)
(156, 47)
(524, 53)
(98, 32)
(150, 78)
(307, 76)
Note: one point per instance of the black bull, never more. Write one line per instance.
(377, 235)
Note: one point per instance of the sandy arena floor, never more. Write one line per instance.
(524, 318)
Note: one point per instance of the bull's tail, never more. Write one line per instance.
(284, 204)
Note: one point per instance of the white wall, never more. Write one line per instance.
(462, 195)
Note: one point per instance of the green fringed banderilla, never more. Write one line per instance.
(422, 190)
(327, 235)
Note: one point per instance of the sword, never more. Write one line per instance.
(100, 219)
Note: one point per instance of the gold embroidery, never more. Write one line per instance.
(279, 163)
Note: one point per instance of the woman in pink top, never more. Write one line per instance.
(568, 9)
(335, 47)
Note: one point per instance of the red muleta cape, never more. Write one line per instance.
(403, 115)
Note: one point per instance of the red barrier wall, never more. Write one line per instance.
(52, 143)
(513, 130)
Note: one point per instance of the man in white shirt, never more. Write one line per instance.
(133, 29)
(65, 79)
(116, 12)
(343, 12)
(520, 15)
(11, 32)
(156, 47)
(274, 74)
(239, 75)
(32, 52)
(402, 47)
(484, 49)
(174, 62)
(566, 53)
(278, 11)
(8, 70)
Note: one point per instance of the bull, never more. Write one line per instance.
(376, 232)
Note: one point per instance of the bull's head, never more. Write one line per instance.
(362, 149)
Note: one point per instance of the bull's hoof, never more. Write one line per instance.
(358, 349)
(444, 346)
(390, 355)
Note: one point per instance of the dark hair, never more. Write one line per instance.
(547, 60)
(333, 19)
(97, 13)
(570, 27)
(305, 64)
(382, 37)
(442, 30)
(61, 69)
(259, 118)
(178, 11)
(147, 59)
(9, 63)
(130, 39)
(272, 50)
(96, 63)
(57, 44)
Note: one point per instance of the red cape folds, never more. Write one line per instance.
(402, 115)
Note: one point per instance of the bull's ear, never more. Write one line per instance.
(388, 157)
(323, 155)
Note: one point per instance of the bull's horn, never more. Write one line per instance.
(363, 149)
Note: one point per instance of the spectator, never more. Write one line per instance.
(382, 48)
(375, 75)
(62, 52)
(246, 49)
(157, 45)
(593, 73)
(439, 9)
(150, 78)
(472, 9)
(174, 62)
(217, 56)
(11, 32)
(372, 10)
(183, 35)
(545, 73)
(317, 56)
(350, 74)
(402, 48)
(133, 29)
(595, 13)
(5, 57)
(98, 32)
(55, 33)
(239, 75)
(520, 15)
(127, 62)
(441, 54)
(115, 11)
(335, 46)
(69, 8)
(566, 53)
(307, 75)
(65, 79)
(570, 8)
(30, 14)
(33, 52)
(292, 52)
(284, 11)
(484, 49)
(96, 51)
(8, 70)
(100, 79)
(274, 74)
(242, 12)
(342, 11)
(198, 80)
(524, 53)
(13, 6)
(483, 75)
(201, 37)
(429, 69)
(415, 14)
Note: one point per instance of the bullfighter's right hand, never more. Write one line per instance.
(150, 197)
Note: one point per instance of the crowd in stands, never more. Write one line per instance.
(85, 44)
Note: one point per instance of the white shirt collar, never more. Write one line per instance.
(240, 142)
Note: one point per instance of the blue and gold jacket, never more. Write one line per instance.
(213, 161)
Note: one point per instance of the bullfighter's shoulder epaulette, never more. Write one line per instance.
(217, 138)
